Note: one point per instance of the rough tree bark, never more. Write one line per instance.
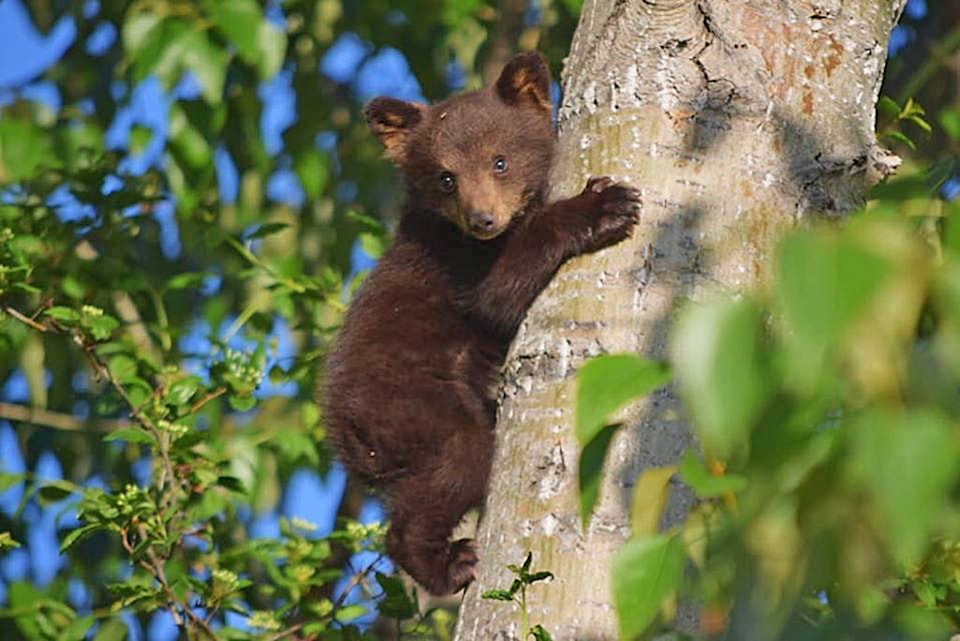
(738, 119)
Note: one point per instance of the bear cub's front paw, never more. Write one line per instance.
(614, 209)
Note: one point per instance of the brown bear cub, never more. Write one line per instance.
(408, 393)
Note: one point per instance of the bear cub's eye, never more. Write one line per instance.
(447, 181)
(500, 165)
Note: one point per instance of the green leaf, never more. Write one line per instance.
(102, 327)
(240, 21)
(534, 577)
(8, 480)
(63, 314)
(899, 189)
(232, 483)
(7, 542)
(650, 496)
(350, 612)
(185, 280)
(950, 122)
(396, 603)
(111, 630)
(908, 463)
(267, 229)
(23, 598)
(824, 282)
(923, 124)
(183, 391)
(312, 171)
(704, 484)
(589, 470)
(123, 367)
(901, 137)
(131, 435)
(607, 383)
(24, 149)
(136, 29)
(888, 107)
(76, 534)
(273, 49)
(140, 137)
(55, 490)
(373, 245)
(190, 146)
(497, 595)
(208, 62)
(77, 630)
(242, 403)
(718, 359)
(646, 571)
(539, 634)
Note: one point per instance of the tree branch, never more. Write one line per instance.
(57, 420)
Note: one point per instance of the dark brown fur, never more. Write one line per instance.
(407, 394)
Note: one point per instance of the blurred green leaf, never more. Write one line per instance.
(111, 630)
(824, 281)
(888, 107)
(24, 150)
(908, 462)
(704, 484)
(240, 21)
(950, 122)
(717, 356)
(65, 314)
(131, 435)
(650, 496)
(646, 571)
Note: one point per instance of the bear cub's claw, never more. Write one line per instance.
(615, 209)
(462, 564)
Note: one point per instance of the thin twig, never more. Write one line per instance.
(26, 320)
(57, 420)
(355, 581)
(283, 634)
(196, 407)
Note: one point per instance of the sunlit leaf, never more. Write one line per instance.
(650, 495)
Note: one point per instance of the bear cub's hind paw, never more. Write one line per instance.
(462, 564)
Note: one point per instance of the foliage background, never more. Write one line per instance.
(189, 195)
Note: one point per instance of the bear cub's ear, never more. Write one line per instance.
(392, 121)
(525, 80)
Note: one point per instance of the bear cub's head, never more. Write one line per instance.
(480, 158)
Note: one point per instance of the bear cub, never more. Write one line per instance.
(409, 390)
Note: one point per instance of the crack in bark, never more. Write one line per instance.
(716, 99)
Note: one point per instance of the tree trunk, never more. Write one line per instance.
(738, 120)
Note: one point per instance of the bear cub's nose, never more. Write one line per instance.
(481, 221)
